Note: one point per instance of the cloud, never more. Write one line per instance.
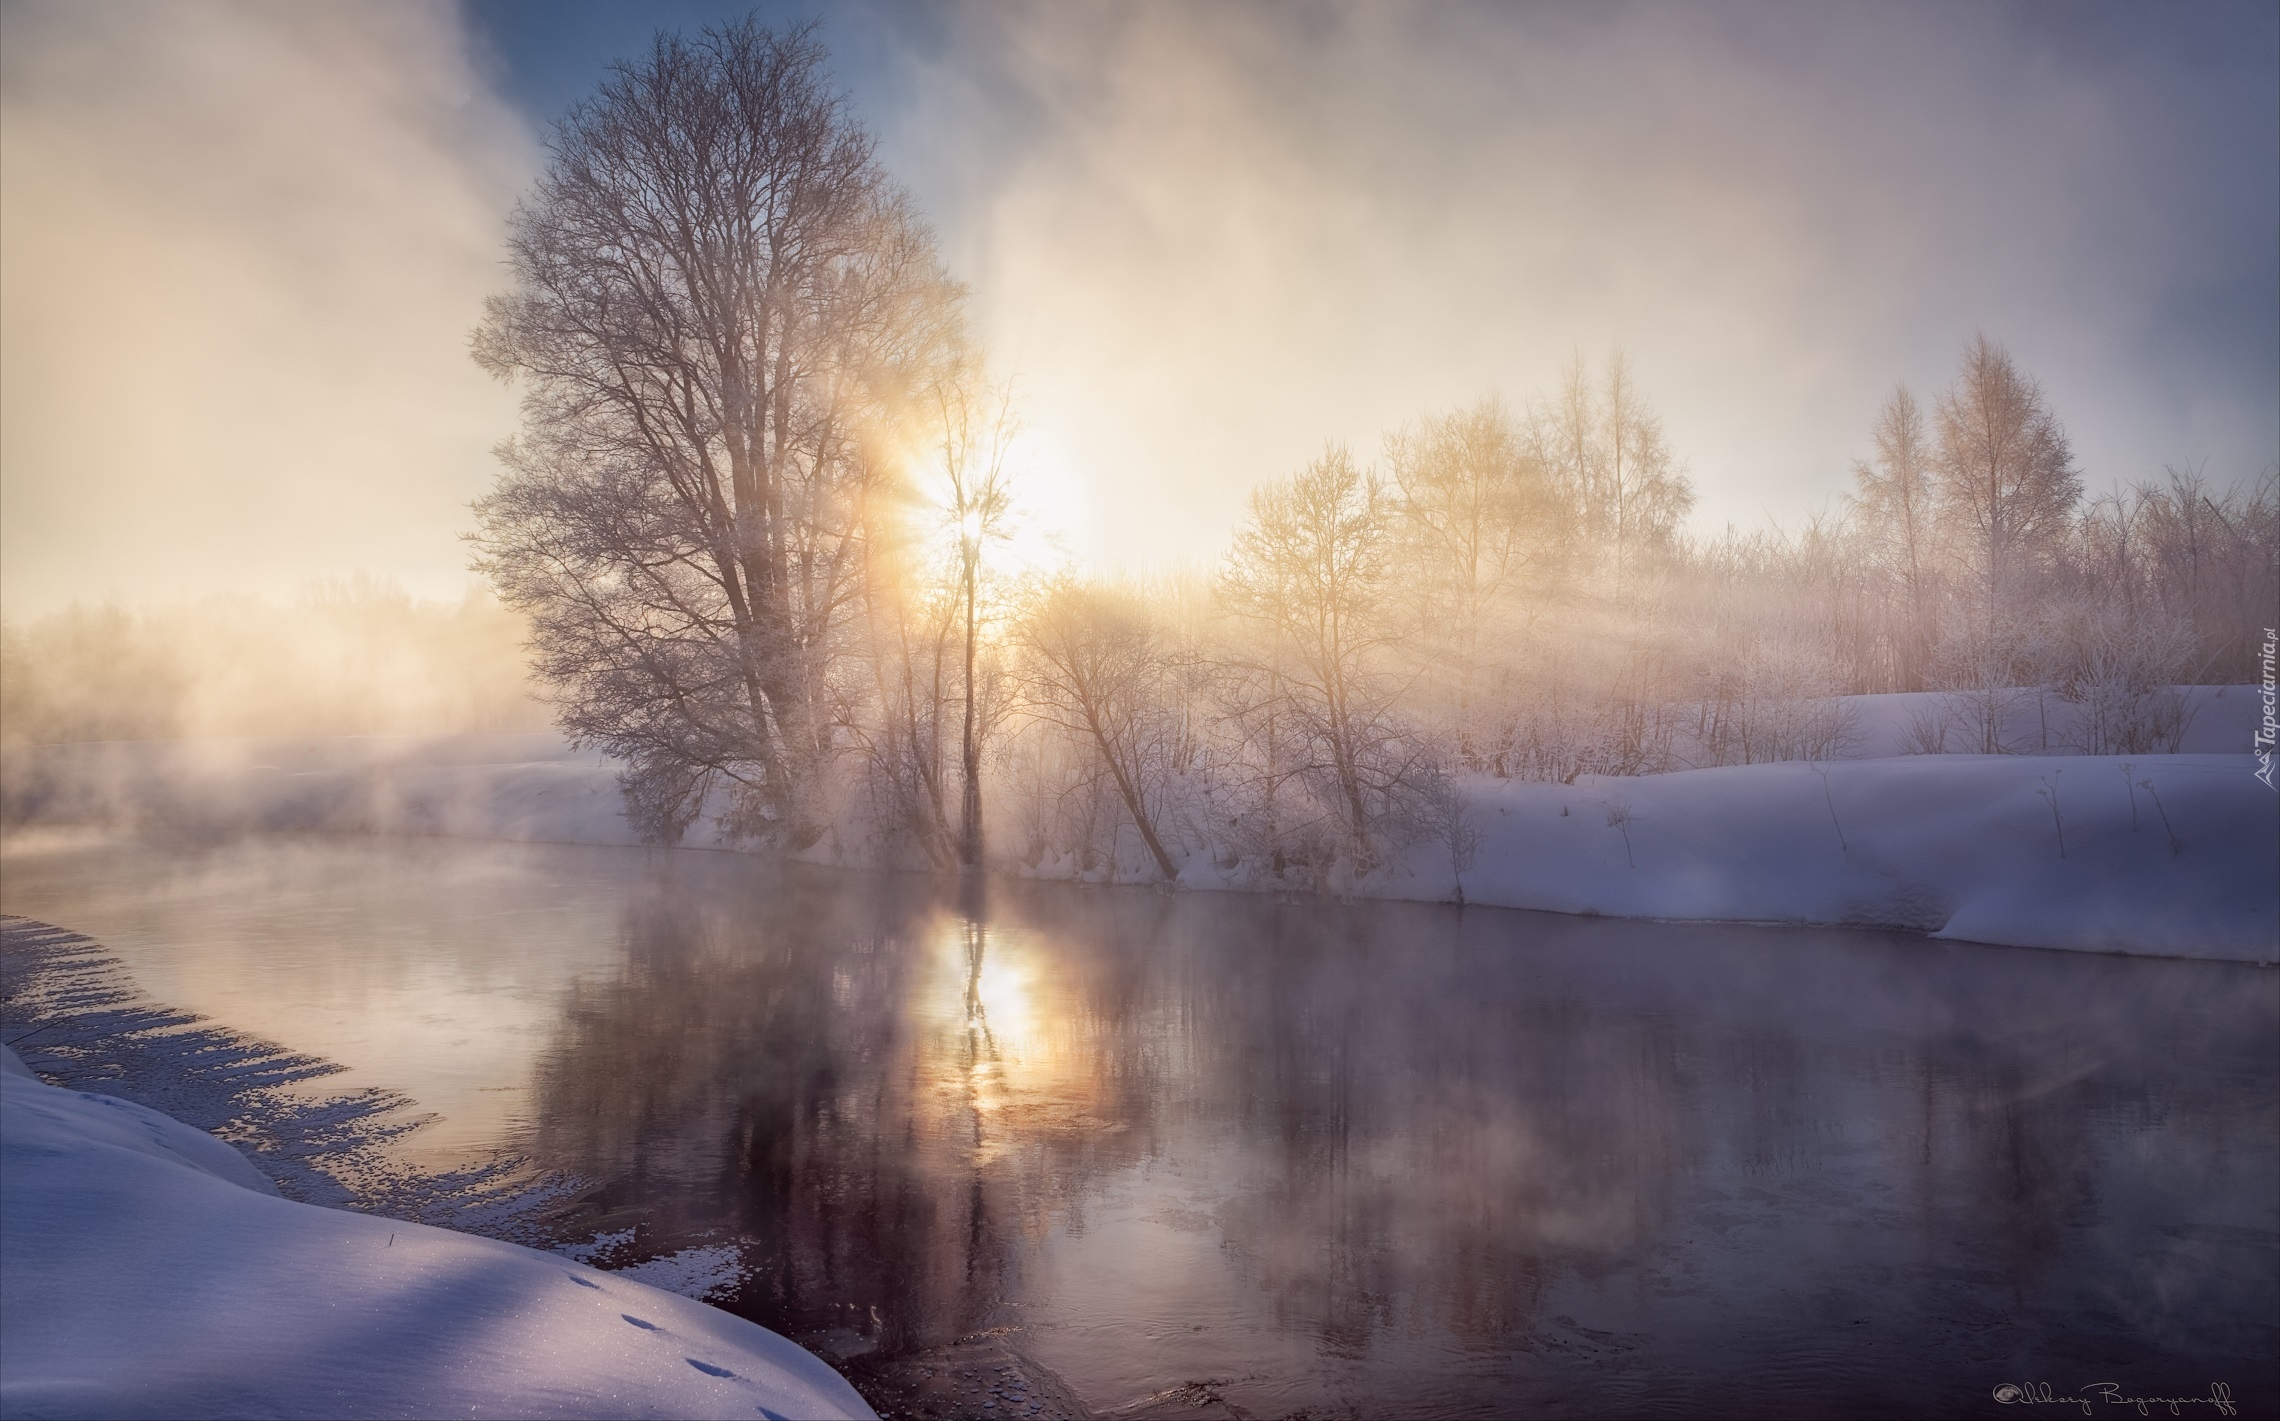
(242, 248)
(1211, 237)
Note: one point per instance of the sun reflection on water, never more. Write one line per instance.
(996, 1047)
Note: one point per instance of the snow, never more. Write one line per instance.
(693, 1272)
(1963, 846)
(148, 1270)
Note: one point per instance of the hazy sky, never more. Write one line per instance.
(243, 244)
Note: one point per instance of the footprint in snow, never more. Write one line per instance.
(708, 1368)
(583, 1282)
(637, 1322)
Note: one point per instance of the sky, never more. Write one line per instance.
(242, 246)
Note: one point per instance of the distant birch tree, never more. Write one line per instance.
(1602, 449)
(1895, 504)
(1312, 571)
(1476, 516)
(1644, 498)
(2007, 481)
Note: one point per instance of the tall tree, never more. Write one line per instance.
(1643, 498)
(1478, 514)
(1096, 670)
(976, 431)
(1312, 568)
(1895, 499)
(2007, 479)
(1603, 450)
(717, 298)
(1564, 432)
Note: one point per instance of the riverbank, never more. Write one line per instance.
(147, 1269)
(2160, 855)
(2165, 856)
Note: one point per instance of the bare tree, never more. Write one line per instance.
(1095, 669)
(976, 432)
(2006, 476)
(1563, 431)
(717, 298)
(1644, 497)
(1478, 515)
(1603, 453)
(2212, 557)
(1311, 568)
(1895, 504)
(913, 615)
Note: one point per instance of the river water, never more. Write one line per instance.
(1223, 1155)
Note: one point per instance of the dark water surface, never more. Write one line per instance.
(1257, 1158)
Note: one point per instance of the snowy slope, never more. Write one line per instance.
(147, 1270)
(1964, 846)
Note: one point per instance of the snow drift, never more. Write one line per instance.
(148, 1270)
(1961, 846)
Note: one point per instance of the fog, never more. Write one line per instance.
(341, 658)
(243, 246)
(246, 242)
(1210, 237)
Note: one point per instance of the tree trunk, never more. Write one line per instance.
(1132, 803)
(970, 818)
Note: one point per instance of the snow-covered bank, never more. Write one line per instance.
(1962, 846)
(148, 1270)
(1965, 846)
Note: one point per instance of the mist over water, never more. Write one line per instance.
(1321, 1157)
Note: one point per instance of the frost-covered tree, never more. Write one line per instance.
(1476, 519)
(1096, 668)
(718, 299)
(1644, 496)
(1312, 573)
(2007, 482)
(975, 432)
(1895, 509)
(1602, 447)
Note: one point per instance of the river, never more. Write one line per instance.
(1225, 1155)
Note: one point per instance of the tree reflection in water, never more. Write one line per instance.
(1344, 1153)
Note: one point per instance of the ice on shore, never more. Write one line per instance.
(148, 1270)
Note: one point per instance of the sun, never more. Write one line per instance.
(1050, 509)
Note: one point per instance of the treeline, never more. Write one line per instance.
(1509, 593)
(353, 657)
